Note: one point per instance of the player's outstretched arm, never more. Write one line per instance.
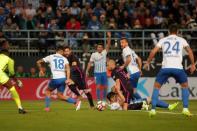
(151, 56)
(191, 57)
(67, 69)
(39, 65)
(139, 62)
(108, 41)
(88, 68)
(126, 63)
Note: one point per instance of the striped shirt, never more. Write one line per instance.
(132, 66)
(57, 64)
(172, 48)
(99, 60)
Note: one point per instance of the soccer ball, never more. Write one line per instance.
(101, 105)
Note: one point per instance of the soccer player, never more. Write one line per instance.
(122, 82)
(133, 64)
(77, 76)
(124, 89)
(60, 70)
(99, 58)
(7, 64)
(172, 47)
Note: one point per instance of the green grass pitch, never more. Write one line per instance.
(63, 117)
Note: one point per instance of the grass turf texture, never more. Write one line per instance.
(63, 117)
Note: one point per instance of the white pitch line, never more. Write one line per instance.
(161, 112)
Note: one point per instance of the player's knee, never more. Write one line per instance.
(60, 96)
(8, 84)
(47, 93)
(184, 85)
(157, 85)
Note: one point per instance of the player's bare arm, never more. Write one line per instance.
(191, 57)
(39, 64)
(128, 60)
(88, 68)
(108, 41)
(151, 56)
(139, 62)
(67, 69)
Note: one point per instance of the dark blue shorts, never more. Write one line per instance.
(101, 78)
(178, 74)
(58, 84)
(134, 79)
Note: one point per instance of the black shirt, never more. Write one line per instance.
(120, 74)
(76, 71)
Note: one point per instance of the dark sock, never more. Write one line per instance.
(73, 88)
(135, 106)
(89, 96)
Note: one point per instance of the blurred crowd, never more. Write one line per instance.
(97, 14)
(92, 15)
(32, 72)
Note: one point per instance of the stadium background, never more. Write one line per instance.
(35, 27)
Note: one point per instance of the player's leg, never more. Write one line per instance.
(97, 77)
(69, 100)
(48, 98)
(73, 88)
(163, 104)
(134, 81)
(60, 85)
(127, 100)
(52, 86)
(60, 91)
(104, 83)
(90, 99)
(181, 77)
(81, 84)
(161, 78)
(6, 82)
(127, 92)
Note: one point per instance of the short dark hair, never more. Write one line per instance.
(110, 95)
(67, 47)
(100, 44)
(173, 28)
(58, 48)
(124, 38)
